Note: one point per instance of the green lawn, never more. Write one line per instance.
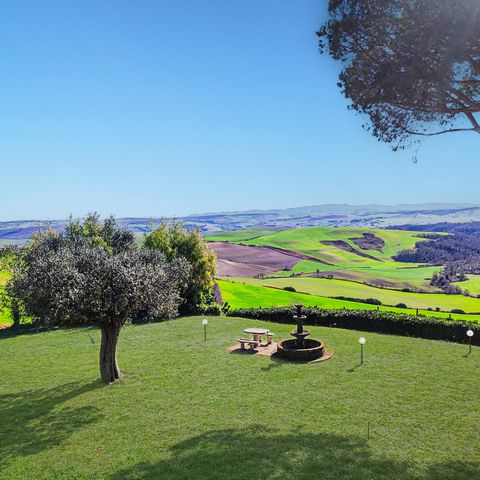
(242, 294)
(188, 409)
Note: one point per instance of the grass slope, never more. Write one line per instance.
(238, 235)
(188, 409)
(334, 288)
(472, 284)
(342, 264)
(242, 294)
(308, 241)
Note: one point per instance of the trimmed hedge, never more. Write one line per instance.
(422, 326)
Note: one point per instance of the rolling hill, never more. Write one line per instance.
(335, 265)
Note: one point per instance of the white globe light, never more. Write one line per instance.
(469, 333)
(205, 321)
(362, 340)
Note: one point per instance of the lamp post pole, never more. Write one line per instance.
(204, 323)
(362, 342)
(469, 335)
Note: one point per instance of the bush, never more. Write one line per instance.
(211, 309)
(225, 308)
(371, 321)
(289, 289)
(370, 301)
(458, 310)
(175, 241)
(401, 305)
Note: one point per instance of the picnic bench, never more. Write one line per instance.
(251, 343)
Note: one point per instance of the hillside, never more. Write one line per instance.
(354, 263)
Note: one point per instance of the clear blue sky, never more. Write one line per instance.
(152, 108)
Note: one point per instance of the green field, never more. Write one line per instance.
(244, 295)
(238, 235)
(472, 284)
(380, 270)
(350, 273)
(4, 315)
(334, 288)
(308, 241)
(188, 409)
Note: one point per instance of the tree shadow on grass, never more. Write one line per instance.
(34, 328)
(34, 420)
(262, 453)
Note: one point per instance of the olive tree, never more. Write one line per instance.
(69, 281)
(412, 66)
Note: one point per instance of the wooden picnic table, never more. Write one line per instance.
(257, 332)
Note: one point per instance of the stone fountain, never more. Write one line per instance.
(301, 348)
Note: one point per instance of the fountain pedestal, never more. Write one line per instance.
(301, 348)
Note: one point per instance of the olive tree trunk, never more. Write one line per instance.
(108, 353)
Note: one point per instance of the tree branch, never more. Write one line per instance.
(475, 65)
(473, 121)
(463, 97)
(443, 131)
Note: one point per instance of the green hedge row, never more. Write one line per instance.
(432, 328)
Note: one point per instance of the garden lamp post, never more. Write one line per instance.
(204, 323)
(469, 335)
(362, 342)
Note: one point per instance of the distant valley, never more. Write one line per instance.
(335, 215)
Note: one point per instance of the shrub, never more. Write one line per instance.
(401, 305)
(457, 310)
(175, 241)
(289, 289)
(370, 301)
(371, 321)
(212, 309)
(225, 308)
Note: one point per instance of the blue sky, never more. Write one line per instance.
(153, 108)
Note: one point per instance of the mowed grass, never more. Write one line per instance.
(188, 409)
(335, 288)
(242, 294)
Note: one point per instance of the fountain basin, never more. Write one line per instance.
(310, 350)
